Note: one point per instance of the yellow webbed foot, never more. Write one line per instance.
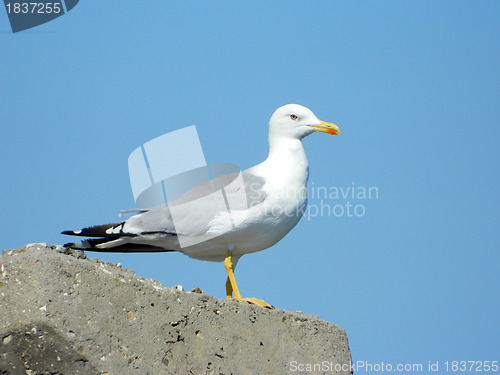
(258, 302)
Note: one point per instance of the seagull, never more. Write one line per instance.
(266, 202)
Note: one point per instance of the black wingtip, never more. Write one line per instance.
(69, 244)
(98, 231)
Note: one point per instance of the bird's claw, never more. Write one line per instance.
(258, 302)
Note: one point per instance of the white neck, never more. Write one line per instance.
(288, 160)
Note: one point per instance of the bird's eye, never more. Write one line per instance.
(293, 117)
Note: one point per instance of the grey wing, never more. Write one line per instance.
(254, 188)
(245, 185)
(192, 213)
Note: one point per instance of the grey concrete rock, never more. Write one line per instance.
(61, 313)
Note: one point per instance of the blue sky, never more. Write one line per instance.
(414, 87)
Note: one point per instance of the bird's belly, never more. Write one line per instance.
(264, 229)
(252, 230)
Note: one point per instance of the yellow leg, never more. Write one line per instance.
(230, 278)
(232, 286)
(229, 289)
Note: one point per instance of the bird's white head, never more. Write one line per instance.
(296, 121)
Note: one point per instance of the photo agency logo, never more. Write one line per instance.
(171, 175)
(28, 14)
(340, 201)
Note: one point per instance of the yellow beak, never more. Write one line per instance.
(326, 127)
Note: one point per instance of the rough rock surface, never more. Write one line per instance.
(61, 313)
